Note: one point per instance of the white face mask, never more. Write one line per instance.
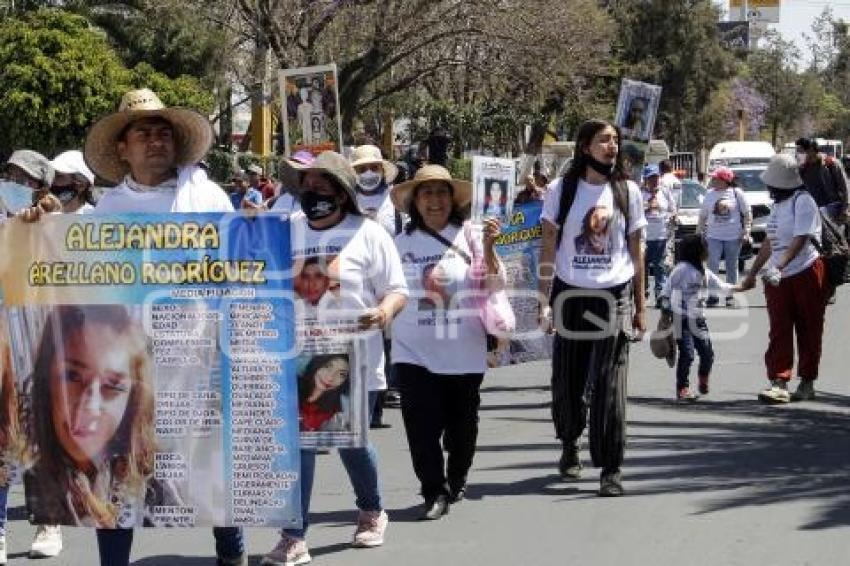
(369, 180)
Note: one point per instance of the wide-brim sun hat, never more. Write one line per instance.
(72, 163)
(402, 194)
(328, 163)
(193, 134)
(782, 173)
(371, 155)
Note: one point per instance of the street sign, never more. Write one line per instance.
(756, 11)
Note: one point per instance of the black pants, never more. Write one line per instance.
(436, 406)
(589, 373)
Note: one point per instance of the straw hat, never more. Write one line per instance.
(663, 345)
(370, 154)
(328, 163)
(782, 173)
(402, 194)
(193, 134)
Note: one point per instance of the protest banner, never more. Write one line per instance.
(519, 249)
(310, 107)
(637, 108)
(493, 188)
(154, 360)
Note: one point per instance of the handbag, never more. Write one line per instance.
(494, 308)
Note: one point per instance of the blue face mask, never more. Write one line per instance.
(14, 197)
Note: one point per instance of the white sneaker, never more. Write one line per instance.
(3, 550)
(371, 526)
(776, 393)
(289, 551)
(47, 543)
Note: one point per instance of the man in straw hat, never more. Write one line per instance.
(374, 177)
(151, 152)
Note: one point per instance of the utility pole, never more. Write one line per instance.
(261, 122)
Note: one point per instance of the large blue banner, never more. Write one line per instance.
(155, 358)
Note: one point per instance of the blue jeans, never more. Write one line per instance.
(4, 498)
(114, 545)
(730, 250)
(656, 250)
(361, 464)
(694, 336)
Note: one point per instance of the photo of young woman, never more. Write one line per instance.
(91, 421)
(323, 388)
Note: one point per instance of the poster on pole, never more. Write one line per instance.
(735, 36)
(519, 249)
(493, 188)
(310, 108)
(154, 361)
(756, 11)
(637, 109)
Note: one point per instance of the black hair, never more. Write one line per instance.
(807, 144)
(350, 205)
(416, 220)
(122, 135)
(692, 249)
(779, 195)
(330, 400)
(666, 166)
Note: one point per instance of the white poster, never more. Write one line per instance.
(637, 109)
(493, 188)
(311, 119)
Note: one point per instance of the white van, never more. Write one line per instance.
(748, 159)
(833, 148)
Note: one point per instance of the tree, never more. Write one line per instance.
(773, 71)
(58, 75)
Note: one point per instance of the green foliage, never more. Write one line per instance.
(221, 165)
(460, 169)
(58, 75)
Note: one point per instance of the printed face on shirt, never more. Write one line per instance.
(435, 285)
(604, 146)
(147, 146)
(594, 237)
(723, 207)
(90, 386)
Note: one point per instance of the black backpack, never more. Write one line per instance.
(834, 249)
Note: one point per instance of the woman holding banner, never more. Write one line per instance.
(592, 298)
(372, 289)
(440, 352)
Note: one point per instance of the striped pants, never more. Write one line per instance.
(590, 363)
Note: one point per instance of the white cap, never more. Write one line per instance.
(73, 163)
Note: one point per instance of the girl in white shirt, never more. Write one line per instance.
(592, 233)
(796, 287)
(439, 343)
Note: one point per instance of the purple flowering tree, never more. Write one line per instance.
(745, 97)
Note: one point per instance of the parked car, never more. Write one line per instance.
(692, 196)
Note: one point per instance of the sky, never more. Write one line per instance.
(796, 16)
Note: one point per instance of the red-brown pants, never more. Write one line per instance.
(797, 304)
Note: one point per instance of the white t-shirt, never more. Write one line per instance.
(658, 207)
(685, 288)
(594, 252)
(795, 216)
(191, 191)
(673, 185)
(438, 329)
(367, 267)
(124, 199)
(379, 207)
(723, 215)
(286, 204)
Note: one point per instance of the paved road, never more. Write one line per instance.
(725, 481)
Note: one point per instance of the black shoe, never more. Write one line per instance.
(610, 484)
(658, 303)
(712, 302)
(379, 424)
(456, 494)
(436, 508)
(393, 398)
(570, 464)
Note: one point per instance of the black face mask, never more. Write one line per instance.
(779, 195)
(316, 206)
(600, 167)
(64, 194)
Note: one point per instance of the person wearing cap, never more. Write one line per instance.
(439, 350)
(796, 287)
(824, 178)
(150, 151)
(669, 181)
(725, 220)
(659, 207)
(31, 169)
(359, 254)
(374, 178)
(257, 181)
(73, 182)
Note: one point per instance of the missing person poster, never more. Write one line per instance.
(310, 107)
(637, 109)
(519, 249)
(331, 362)
(493, 188)
(154, 357)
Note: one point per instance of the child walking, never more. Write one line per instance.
(683, 298)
